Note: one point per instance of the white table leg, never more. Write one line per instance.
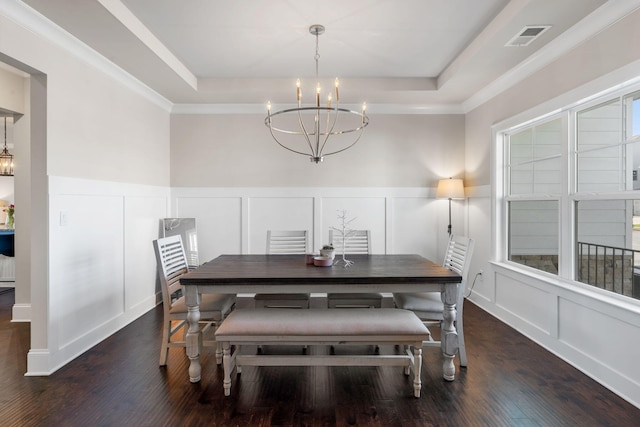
(194, 336)
(449, 338)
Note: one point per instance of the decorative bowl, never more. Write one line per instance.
(322, 261)
(328, 253)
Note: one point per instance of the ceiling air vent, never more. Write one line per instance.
(527, 35)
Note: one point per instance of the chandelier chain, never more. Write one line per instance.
(317, 56)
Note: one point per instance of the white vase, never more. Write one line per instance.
(330, 253)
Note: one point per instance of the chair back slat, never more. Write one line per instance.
(458, 259)
(172, 265)
(358, 242)
(286, 242)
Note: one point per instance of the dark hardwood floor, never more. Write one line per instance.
(119, 383)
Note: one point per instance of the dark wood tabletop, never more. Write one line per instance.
(367, 269)
(242, 274)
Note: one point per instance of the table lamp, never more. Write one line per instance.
(450, 189)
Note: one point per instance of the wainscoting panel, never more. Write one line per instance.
(591, 329)
(236, 220)
(365, 213)
(618, 350)
(278, 213)
(87, 264)
(528, 303)
(412, 228)
(141, 222)
(101, 263)
(218, 221)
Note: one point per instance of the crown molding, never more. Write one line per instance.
(603, 17)
(372, 109)
(33, 21)
(597, 21)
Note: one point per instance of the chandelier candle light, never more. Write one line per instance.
(315, 134)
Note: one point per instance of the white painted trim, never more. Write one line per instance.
(21, 313)
(597, 21)
(38, 362)
(79, 186)
(30, 19)
(616, 307)
(133, 24)
(44, 361)
(27, 17)
(618, 80)
(302, 191)
(372, 109)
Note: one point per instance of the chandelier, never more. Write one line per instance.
(6, 159)
(308, 130)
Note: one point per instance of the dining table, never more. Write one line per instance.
(390, 273)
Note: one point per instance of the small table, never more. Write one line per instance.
(232, 274)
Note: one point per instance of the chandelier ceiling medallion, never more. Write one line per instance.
(311, 130)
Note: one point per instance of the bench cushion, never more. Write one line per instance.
(385, 324)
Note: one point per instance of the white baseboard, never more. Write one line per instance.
(21, 313)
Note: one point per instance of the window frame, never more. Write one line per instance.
(570, 196)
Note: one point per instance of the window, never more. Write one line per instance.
(533, 234)
(535, 172)
(572, 193)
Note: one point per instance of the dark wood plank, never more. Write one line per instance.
(368, 269)
(118, 383)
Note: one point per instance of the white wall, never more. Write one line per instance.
(11, 93)
(94, 153)
(238, 151)
(102, 270)
(236, 220)
(591, 329)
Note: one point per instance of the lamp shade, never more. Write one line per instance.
(450, 189)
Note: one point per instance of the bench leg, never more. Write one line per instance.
(228, 367)
(417, 370)
(218, 353)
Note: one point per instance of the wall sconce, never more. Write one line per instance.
(450, 189)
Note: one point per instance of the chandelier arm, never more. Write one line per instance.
(351, 145)
(328, 131)
(317, 151)
(304, 131)
(284, 146)
(298, 110)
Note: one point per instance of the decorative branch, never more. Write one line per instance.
(345, 232)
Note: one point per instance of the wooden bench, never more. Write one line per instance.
(322, 327)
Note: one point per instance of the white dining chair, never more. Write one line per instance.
(428, 306)
(172, 265)
(285, 242)
(358, 242)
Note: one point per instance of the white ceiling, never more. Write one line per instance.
(414, 53)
